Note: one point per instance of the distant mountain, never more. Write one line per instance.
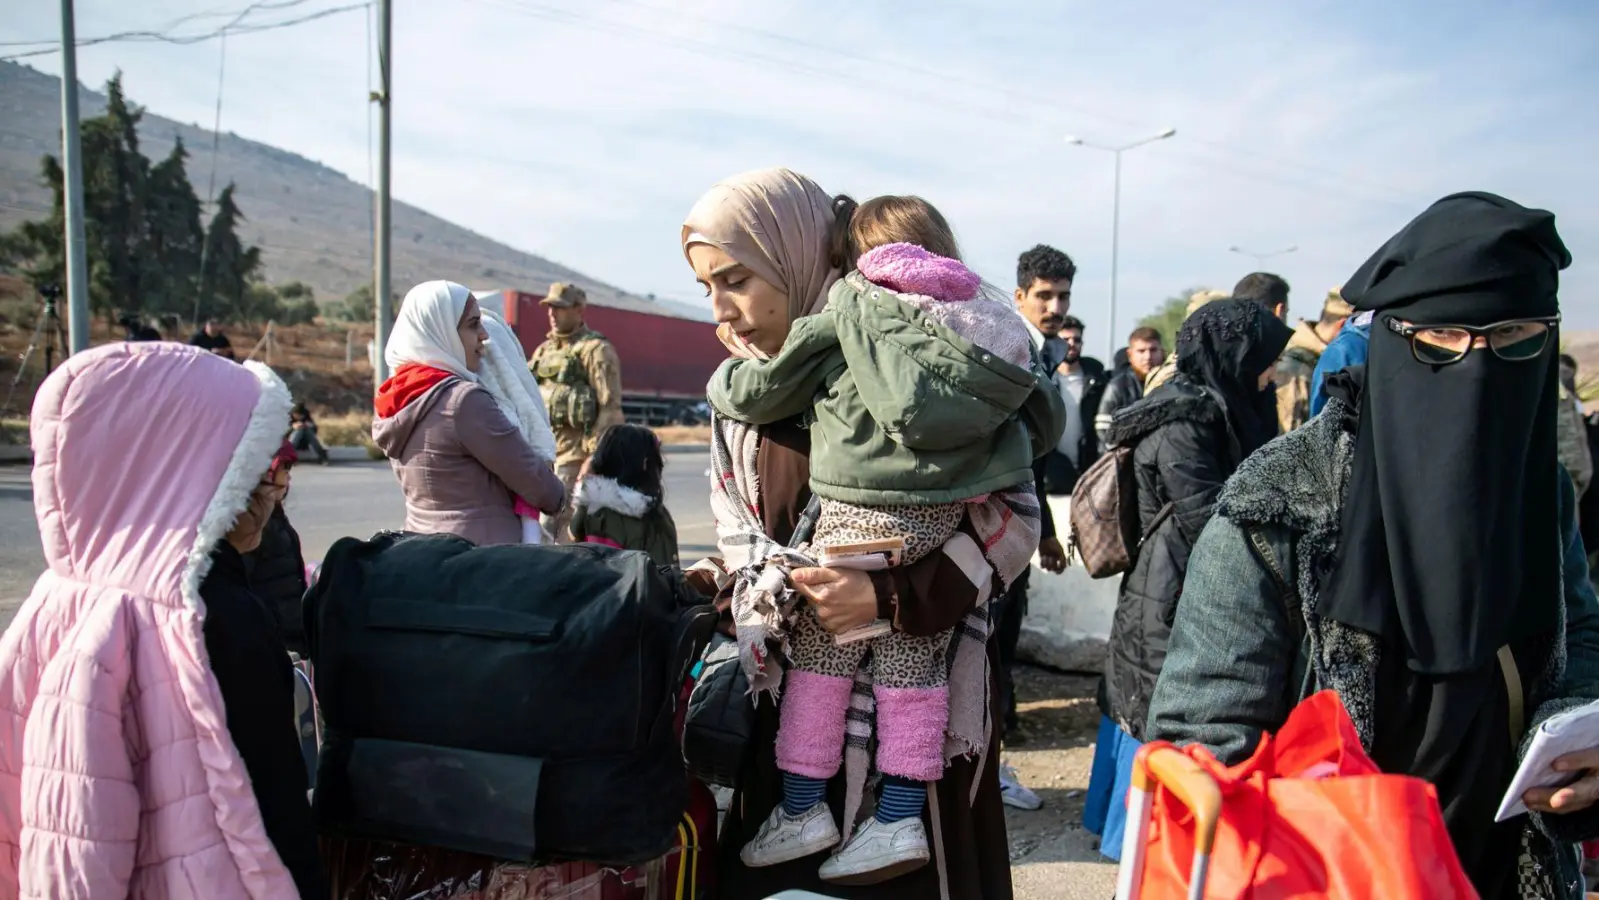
(312, 223)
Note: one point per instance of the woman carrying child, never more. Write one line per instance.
(619, 503)
(768, 246)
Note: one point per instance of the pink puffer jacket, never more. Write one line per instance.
(118, 777)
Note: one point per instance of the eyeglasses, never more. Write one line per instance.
(1514, 340)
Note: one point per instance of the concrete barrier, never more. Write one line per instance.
(1068, 615)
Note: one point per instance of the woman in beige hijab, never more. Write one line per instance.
(766, 246)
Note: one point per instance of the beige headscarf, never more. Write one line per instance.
(775, 222)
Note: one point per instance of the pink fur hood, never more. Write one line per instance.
(118, 777)
(952, 294)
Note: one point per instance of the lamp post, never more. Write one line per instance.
(1260, 258)
(1116, 211)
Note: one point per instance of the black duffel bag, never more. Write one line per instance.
(514, 701)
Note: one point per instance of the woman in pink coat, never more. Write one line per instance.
(119, 776)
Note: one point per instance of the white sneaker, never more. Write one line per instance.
(784, 838)
(879, 852)
(1012, 792)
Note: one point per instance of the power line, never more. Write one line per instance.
(1341, 183)
(232, 28)
(173, 25)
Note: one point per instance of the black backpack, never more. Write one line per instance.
(515, 701)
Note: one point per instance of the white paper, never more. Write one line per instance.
(1568, 732)
(870, 562)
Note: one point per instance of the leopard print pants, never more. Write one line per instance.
(899, 660)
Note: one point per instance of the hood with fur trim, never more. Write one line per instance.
(114, 733)
(599, 492)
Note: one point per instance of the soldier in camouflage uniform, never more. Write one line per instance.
(1167, 369)
(1298, 362)
(1573, 432)
(581, 379)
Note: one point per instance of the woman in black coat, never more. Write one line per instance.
(1187, 436)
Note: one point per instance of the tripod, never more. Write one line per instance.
(49, 330)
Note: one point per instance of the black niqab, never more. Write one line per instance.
(1450, 543)
(1225, 346)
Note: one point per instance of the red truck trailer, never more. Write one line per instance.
(666, 358)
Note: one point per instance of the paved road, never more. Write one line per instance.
(325, 504)
(358, 499)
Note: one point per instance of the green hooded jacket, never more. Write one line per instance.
(904, 411)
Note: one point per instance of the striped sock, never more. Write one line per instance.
(801, 794)
(902, 798)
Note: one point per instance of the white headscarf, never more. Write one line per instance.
(427, 330)
(507, 379)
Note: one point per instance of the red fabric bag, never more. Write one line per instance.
(1309, 815)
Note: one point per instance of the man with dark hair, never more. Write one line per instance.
(1145, 353)
(1044, 295)
(1081, 380)
(1269, 290)
(1044, 298)
(211, 338)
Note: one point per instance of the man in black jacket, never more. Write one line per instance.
(1081, 381)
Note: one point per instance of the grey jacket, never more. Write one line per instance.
(460, 460)
(1233, 668)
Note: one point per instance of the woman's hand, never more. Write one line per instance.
(844, 598)
(1575, 797)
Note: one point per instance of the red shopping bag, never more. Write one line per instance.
(1308, 816)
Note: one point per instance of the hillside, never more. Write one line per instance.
(312, 222)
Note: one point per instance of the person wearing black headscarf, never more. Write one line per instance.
(1186, 437)
(1420, 550)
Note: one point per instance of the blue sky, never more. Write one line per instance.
(582, 130)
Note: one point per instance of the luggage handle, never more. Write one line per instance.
(1168, 766)
(483, 621)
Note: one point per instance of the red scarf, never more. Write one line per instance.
(408, 382)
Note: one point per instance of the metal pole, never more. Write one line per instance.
(1115, 250)
(380, 287)
(72, 175)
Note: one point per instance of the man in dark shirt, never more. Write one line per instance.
(211, 338)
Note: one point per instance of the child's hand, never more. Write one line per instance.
(844, 598)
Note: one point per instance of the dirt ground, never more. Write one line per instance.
(1051, 855)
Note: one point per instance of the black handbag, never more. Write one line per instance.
(719, 721)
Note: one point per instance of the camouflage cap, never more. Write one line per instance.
(564, 295)
(1336, 306)
(1200, 298)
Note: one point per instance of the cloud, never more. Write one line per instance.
(583, 131)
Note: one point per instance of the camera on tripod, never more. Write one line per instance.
(51, 293)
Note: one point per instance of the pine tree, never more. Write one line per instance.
(115, 181)
(175, 236)
(229, 265)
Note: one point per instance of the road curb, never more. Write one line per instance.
(358, 454)
(12, 454)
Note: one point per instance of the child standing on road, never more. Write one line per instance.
(619, 501)
(918, 386)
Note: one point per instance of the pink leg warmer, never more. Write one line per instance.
(910, 731)
(810, 731)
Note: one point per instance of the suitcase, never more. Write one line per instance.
(1196, 789)
(374, 870)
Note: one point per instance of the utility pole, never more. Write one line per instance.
(1116, 214)
(380, 255)
(72, 173)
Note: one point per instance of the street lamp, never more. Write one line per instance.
(1260, 258)
(1116, 211)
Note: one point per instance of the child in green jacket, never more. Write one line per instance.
(922, 397)
(619, 503)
